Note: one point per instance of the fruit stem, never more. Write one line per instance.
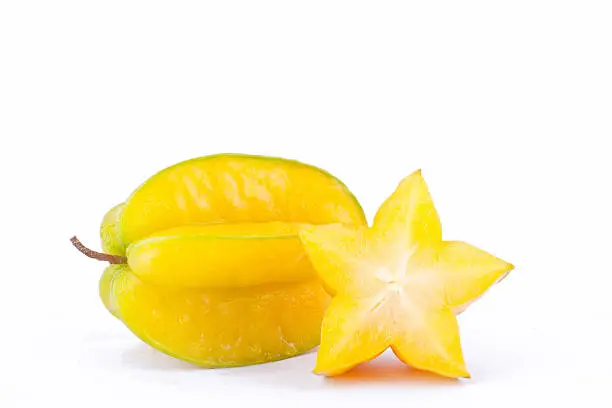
(113, 259)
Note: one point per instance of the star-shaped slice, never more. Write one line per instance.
(397, 284)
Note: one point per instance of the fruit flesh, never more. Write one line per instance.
(221, 327)
(236, 189)
(222, 255)
(397, 285)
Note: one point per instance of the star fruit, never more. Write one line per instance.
(206, 260)
(397, 284)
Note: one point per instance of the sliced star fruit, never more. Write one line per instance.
(397, 284)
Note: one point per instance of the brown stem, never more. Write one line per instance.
(113, 259)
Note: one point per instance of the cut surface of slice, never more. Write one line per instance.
(223, 327)
(232, 188)
(222, 255)
(397, 284)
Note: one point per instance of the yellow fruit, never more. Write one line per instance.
(221, 256)
(222, 327)
(397, 285)
(207, 262)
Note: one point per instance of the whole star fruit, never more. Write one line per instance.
(397, 284)
(206, 261)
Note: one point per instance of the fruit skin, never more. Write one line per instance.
(234, 188)
(398, 285)
(109, 231)
(220, 327)
(255, 315)
(214, 256)
(105, 287)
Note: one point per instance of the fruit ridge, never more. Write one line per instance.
(231, 188)
(214, 256)
(221, 327)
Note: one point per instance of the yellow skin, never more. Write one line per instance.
(397, 284)
(216, 274)
(230, 188)
(219, 327)
(247, 254)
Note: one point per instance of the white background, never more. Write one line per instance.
(506, 106)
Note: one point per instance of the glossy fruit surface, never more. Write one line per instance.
(233, 188)
(105, 287)
(221, 327)
(398, 285)
(109, 231)
(222, 255)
